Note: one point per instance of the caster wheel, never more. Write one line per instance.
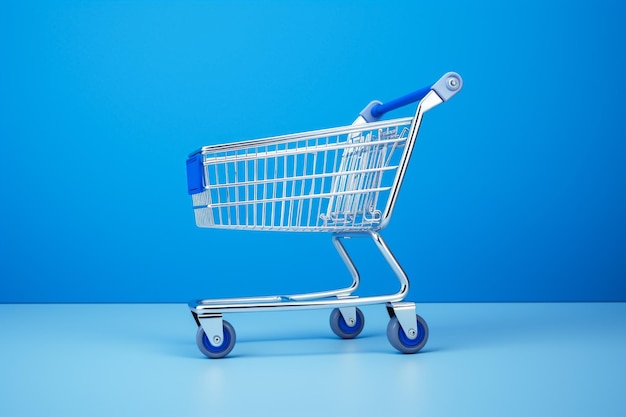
(215, 352)
(400, 341)
(341, 328)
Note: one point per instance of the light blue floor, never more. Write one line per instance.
(481, 360)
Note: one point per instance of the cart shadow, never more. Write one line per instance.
(294, 346)
(456, 328)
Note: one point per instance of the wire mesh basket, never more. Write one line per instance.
(333, 179)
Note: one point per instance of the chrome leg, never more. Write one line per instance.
(327, 299)
(393, 263)
(354, 273)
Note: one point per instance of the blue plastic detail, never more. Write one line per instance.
(347, 329)
(380, 109)
(366, 113)
(220, 348)
(194, 174)
(421, 332)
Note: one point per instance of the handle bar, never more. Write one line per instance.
(446, 87)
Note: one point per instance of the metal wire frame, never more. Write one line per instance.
(330, 180)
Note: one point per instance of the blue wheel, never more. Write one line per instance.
(215, 352)
(401, 341)
(342, 329)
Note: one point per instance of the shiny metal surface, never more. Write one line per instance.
(330, 180)
(428, 102)
(337, 298)
(343, 180)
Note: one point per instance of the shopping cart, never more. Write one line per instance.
(343, 180)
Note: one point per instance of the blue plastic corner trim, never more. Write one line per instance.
(194, 174)
(366, 113)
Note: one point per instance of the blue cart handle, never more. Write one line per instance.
(446, 87)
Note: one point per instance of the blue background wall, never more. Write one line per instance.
(516, 192)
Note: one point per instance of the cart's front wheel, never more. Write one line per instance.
(401, 341)
(215, 352)
(342, 329)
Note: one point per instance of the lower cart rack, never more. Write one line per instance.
(343, 180)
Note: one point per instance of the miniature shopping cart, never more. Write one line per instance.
(343, 180)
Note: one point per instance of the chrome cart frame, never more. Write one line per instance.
(343, 180)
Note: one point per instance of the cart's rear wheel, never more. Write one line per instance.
(342, 329)
(215, 352)
(401, 341)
